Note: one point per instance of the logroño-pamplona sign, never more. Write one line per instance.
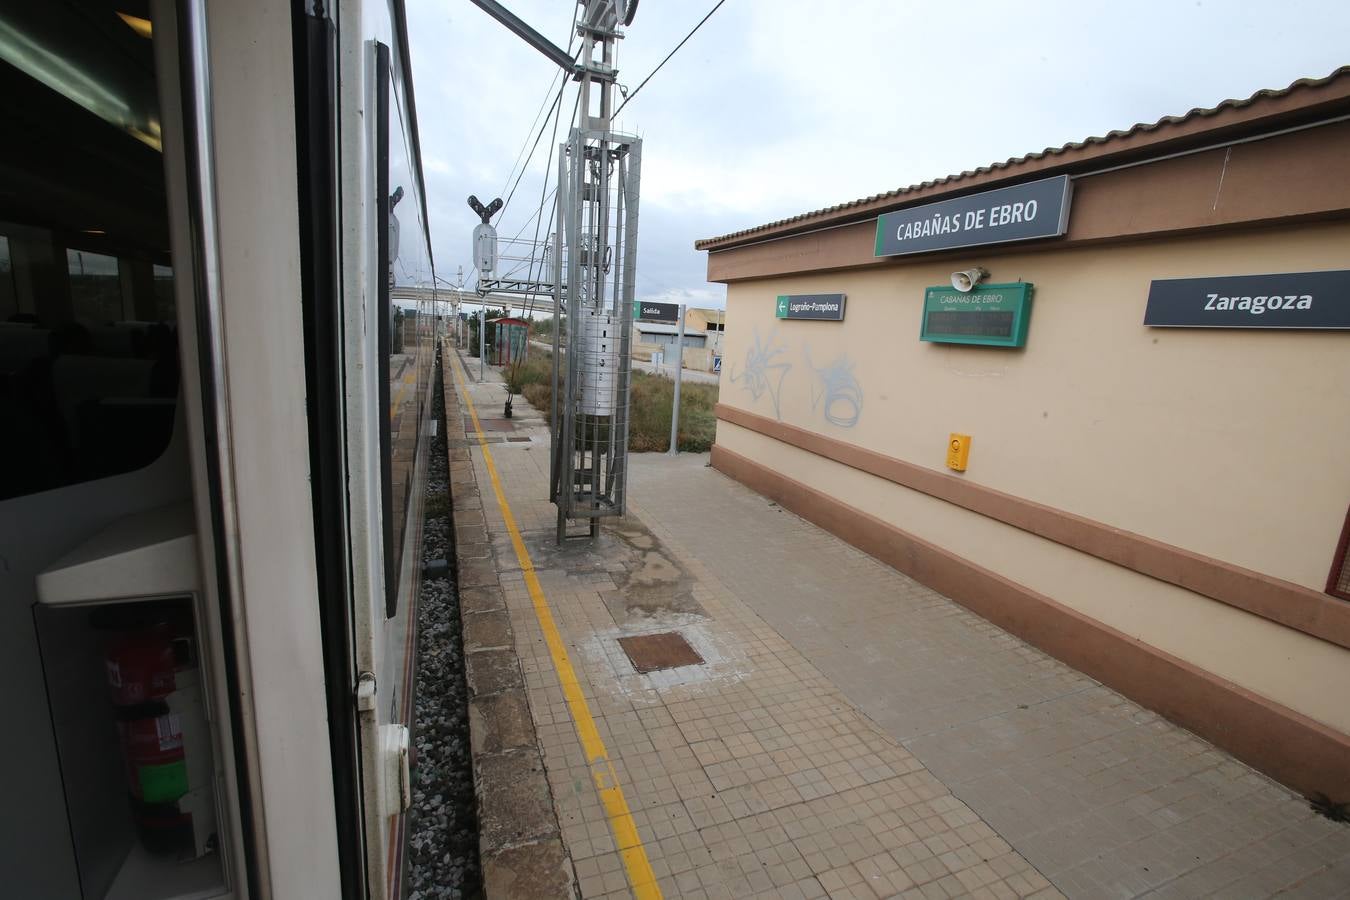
(821, 307)
(1035, 209)
(1318, 300)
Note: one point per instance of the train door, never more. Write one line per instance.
(363, 370)
(320, 212)
(173, 614)
(121, 738)
(210, 482)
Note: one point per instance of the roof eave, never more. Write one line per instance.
(1306, 99)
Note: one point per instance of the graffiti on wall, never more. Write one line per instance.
(764, 371)
(835, 391)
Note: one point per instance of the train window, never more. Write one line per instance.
(117, 793)
(404, 337)
(9, 305)
(163, 286)
(384, 275)
(88, 347)
(95, 286)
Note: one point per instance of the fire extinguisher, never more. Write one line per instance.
(140, 665)
(141, 662)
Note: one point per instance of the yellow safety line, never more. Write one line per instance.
(621, 823)
(402, 386)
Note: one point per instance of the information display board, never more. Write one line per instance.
(993, 315)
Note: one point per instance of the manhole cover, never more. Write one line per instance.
(490, 424)
(653, 652)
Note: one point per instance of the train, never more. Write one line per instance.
(218, 350)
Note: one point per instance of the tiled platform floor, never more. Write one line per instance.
(853, 734)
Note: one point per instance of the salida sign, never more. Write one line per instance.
(1037, 209)
(647, 311)
(1291, 300)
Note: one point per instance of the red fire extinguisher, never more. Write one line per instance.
(140, 663)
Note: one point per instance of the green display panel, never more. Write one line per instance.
(992, 315)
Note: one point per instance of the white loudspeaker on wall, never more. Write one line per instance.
(966, 279)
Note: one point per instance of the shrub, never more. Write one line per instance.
(536, 369)
(540, 396)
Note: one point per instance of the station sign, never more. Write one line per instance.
(1292, 300)
(993, 315)
(645, 311)
(1036, 209)
(821, 307)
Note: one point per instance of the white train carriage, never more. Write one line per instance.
(214, 422)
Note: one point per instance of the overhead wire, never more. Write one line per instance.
(537, 139)
(545, 196)
(536, 216)
(538, 210)
(548, 166)
(557, 103)
(544, 104)
(633, 93)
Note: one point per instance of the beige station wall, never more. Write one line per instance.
(1232, 444)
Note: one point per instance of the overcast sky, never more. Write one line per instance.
(778, 107)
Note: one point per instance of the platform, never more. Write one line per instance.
(846, 732)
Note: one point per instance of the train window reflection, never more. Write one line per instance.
(163, 286)
(95, 286)
(9, 306)
(405, 329)
(88, 346)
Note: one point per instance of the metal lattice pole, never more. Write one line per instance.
(598, 177)
(597, 214)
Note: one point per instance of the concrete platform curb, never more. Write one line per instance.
(520, 843)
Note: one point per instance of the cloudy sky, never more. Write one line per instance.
(777, 107)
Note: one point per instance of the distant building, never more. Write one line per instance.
(710, 321)
(664, 336)
(660, 337)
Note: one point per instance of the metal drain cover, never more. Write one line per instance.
(653, 652)
(489, 424)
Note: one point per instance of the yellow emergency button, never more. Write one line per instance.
(958, 451)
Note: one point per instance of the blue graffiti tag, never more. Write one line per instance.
(764, 371)
(836, 392)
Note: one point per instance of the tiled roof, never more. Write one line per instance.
(1040, 161)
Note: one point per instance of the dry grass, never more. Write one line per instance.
(649, 417)
(651, 400)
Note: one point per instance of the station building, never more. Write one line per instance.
(1127, 443)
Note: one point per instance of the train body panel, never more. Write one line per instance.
(217, 349)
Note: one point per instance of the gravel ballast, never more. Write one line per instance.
(443, 828)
